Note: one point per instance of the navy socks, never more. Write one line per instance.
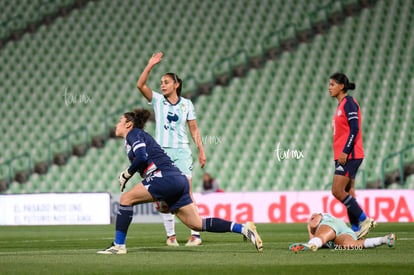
(123, 220)
(355, 212)
(219, 226)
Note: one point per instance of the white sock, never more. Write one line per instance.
(120, 245)
(195, 232)
(373, 242)
(169, 223)
(316, 241)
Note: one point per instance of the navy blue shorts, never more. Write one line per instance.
(349, 169)
(174, 189)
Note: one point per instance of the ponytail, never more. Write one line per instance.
(341, 78)
(138, 117)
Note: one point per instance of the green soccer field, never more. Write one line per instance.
(72, 250)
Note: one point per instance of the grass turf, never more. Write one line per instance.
(72, 250)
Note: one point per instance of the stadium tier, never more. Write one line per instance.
(26, 15)
(88, 62)
(270, 130)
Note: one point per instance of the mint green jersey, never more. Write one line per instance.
(337, 225)
(171, 121)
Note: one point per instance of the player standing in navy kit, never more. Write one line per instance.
(348, 152)
(162, 182)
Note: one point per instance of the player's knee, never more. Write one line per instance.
(125, 200)
(195, 227)
(337, 193)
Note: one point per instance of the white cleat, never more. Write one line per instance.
(114, 249)
(172, 241)
(250, 232)
(194, 240)
(365, 227)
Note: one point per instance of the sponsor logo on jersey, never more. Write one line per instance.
(339, 168)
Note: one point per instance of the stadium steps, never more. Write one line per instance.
(28, 15)
(234, 183)
(59, 64)
(384, 136)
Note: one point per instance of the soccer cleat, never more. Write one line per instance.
(114, 249)
(391, 239)
(296, 247)
(367, 225)
(172, 241)
(249, 232)
(194, 240)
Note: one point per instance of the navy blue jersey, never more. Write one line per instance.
(142, 150)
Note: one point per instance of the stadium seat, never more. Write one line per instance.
(95, 52)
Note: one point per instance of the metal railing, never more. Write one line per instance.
(67, 138)
(400, 155)
(265, 41)
(5, 27)
(229, 60)
(9, 163)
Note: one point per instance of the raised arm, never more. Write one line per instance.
(142, 81)
(195, 133)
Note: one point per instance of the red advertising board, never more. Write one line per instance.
(286, 207)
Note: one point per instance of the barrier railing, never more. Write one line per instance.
(265, 41)
(50, 7)
(193, 91)
(40, 11)
(229, 60)
(400, 155)
(9, 163)
(67, 139)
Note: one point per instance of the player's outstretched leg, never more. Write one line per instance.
(190, 217)
(248, 230)
(377, 241)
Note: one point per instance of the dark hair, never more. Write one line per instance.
(176, 80)
(138, 117)
(341, 78)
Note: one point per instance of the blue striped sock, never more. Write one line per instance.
(216, 225)
(362, 217)
(236, 228)
(120, 237)
(353, 209)
(123, 220)
(355, 227)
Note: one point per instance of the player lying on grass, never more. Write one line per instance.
(162, 182)
(326, 230)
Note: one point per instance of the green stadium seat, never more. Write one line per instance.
(94, 51)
